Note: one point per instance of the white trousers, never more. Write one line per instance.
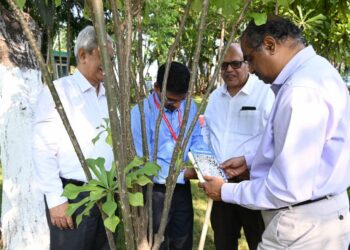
(321, 225)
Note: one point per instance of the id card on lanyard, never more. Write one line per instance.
(172, 132)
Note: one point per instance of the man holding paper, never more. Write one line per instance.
(235, 117)
(300, 173)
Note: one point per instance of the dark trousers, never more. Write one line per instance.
(179, 229)
(227, 221)
(89, 235)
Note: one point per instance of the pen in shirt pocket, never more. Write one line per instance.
(248, 108)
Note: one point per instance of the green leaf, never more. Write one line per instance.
(97, 195)
(111, 174)
(135, 199)
(109, 207)
(71, 191)
(20, 3)
(109, 139)
(130, 179)
(143, 180)
(89, 206)
(58, 3)
(79, 219)
(128, 182)
(94, 140)
(136, 162)
(259, 18)
(100, 163)
(95, 183)
(92, 165)
(284, 3)
(151, 168)
(111, 222)
(72, 207)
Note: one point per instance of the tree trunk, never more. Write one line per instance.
(23, 217)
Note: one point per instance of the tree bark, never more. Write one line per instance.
(23, 217)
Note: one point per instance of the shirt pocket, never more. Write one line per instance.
(248, 122)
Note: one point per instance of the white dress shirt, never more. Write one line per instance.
(235, 123)
(304, 152)
(53, 153)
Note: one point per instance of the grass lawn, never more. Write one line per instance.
(200, 200)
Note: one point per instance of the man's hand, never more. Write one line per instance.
(59, 218)
(212, 187)
(235, 166)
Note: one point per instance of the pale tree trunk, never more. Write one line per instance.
(23, 217)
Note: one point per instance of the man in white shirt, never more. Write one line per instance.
(83, 97)
(301, 170)
(235, 117)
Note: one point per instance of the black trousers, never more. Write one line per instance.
(227, 221)
(89, 235)
(179, 230)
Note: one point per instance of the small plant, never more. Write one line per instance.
(103, 189)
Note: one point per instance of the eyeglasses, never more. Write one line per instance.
(233, 64)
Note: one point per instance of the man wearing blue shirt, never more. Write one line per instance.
(178, 233)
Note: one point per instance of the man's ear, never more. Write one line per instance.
(81, 55)
(269, 44)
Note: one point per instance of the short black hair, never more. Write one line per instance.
(178, 78)
(278, 27)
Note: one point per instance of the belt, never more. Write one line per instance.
(71, 181)
(301, 203)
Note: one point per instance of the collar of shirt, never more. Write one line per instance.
(85, 85)
(246, 89)
(293, 65)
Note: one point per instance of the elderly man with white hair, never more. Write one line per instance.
(83, 97)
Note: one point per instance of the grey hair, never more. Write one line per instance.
(87, 40)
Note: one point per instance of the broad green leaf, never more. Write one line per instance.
(96, 183)
(92, 165)
(72, 207)
(151, 168)
(86, 211)
(109, 207)
(100, 163)
(97, 195)
(20, 3)
(58, 3)
(143, 180)
(111, 174)
(111, 222)
(135, 199)
(128, 182)
(259, 18)
(71, 191)
(109, 139)
(136, 162)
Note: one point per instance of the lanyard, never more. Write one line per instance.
(172, 132)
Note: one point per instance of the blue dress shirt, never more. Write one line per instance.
(166, 142)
